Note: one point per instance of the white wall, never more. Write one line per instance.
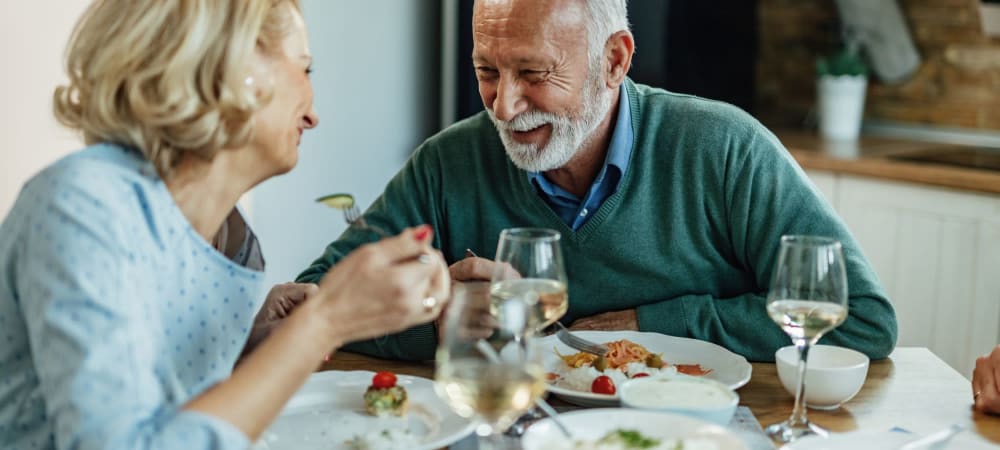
(376, 94)
(375, 69)
(33, 35)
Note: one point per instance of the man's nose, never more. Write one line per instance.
(510, 100)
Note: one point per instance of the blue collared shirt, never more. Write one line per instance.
(569, 207)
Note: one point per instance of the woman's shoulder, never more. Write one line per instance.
(100, 171)
(99, 184)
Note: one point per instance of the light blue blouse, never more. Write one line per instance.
(114, 312)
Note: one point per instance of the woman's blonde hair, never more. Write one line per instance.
(168, 77)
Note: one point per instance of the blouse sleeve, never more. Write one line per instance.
(88, 341)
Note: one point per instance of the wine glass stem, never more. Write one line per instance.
(799, 411)
(492, 440)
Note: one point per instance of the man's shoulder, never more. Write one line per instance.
(470, 141)
(665, 113)
(691, 110)
(476, 128)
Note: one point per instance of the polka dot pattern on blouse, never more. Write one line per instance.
(114, 312)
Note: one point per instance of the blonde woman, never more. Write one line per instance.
(120, 323)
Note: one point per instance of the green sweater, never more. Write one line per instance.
(689, 238)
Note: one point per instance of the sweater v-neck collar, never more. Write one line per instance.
(525, 188)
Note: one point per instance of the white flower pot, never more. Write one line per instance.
(841, 106)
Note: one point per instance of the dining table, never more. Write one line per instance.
(912, 390)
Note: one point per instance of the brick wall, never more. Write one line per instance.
(957, 84)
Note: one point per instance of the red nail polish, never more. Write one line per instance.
(423, 232)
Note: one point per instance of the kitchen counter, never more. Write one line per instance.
(879, 157)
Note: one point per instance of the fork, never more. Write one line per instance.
(567, 337)
(354, 218)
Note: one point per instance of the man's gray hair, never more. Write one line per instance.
(604, 18)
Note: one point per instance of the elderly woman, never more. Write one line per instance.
(120, 322)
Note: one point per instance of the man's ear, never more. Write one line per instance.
(618, 51)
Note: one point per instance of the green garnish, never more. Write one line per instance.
(339, 201)
(632, 439)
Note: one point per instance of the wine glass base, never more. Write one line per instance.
(788, 432)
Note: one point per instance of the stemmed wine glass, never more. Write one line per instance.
(530, 267)
(808, 297)
(489, 367)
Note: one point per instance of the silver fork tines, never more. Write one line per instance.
(354, 218)
(567, 337)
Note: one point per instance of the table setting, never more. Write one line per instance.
(507, 375)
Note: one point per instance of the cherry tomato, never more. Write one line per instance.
(383, 380)
(603, 385)
(640, 375)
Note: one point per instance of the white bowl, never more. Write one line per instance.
(833, 374)
(700, 398)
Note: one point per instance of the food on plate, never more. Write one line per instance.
(625, 360)
(603, 385)
(387, 439)
(384, 397)
(625, 439)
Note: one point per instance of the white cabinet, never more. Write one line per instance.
(937, 252)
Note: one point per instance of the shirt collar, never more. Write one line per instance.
(619, 149)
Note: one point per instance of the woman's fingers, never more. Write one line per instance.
(387, 286)
(412, 243)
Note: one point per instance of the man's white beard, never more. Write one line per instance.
(569, 133)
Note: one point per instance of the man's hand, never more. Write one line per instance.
(472, 268)
(609, 321)
(282, 299)
(279, 304)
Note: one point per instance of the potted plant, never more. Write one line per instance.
(842, 79)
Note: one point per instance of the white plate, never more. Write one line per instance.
(727, 367)
(329, 410)
(594, 423)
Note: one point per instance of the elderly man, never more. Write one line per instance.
(671, 206)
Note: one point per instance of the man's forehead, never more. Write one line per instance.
(499, 16)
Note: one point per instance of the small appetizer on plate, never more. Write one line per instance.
(384, 397)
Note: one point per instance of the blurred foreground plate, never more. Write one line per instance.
(592, 424)
(328, 411)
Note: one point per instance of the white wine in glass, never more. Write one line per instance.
(808, 297)
(489, 367)
(530, 267)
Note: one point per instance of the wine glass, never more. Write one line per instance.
(808, 297)
(530, 266)
(489, 367)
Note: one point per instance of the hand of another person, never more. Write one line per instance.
(986, 382)
(281, 300)
(479, 322)
(472, 268)
(384, 287)
(609, 321)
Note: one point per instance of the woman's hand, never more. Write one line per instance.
(986, 382)
(383, 287)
